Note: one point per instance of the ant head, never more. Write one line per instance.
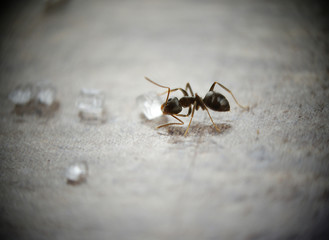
(172, 106)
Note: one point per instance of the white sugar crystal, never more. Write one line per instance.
(150, 105)
(77, 173)
(91, 104)
(46, 95)
(21, 95)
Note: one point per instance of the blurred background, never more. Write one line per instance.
(70, 74)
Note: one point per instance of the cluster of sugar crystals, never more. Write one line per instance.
(90, 104)
(43, 93)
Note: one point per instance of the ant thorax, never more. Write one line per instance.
(186, 101)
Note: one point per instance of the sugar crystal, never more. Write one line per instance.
(150, 105)
(91, 105)
(46, 94)
(21, 95)
(77, 173)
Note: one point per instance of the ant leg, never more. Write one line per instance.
(159, 86)
(187, 114)
(205, 108)
(188, 86)
(229, 91)
(190, 119)
(175, 89)
(168, 124)
(218, 130)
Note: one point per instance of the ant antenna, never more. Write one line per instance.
(159, 86)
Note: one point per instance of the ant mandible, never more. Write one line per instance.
(213, 100)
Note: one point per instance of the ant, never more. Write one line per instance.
(213, 100)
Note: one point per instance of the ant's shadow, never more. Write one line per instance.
(196, 129)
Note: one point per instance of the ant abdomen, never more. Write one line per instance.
(216, 102)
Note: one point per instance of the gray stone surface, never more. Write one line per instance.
(264, 177)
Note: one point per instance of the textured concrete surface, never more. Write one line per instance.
(264, 177)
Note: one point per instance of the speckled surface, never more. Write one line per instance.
(264, 177)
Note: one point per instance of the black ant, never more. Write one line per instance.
(213, 100)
